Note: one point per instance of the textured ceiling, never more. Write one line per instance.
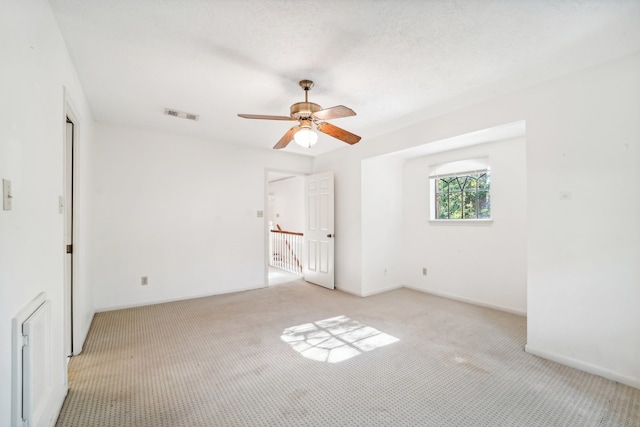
(386, 59)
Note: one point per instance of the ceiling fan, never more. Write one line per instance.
(308, 115)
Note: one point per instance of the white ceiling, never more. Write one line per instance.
(389, 60)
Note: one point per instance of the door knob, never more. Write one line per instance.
(330, 235)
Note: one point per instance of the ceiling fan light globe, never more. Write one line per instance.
(306, 137)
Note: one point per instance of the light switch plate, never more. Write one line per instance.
(6, 195)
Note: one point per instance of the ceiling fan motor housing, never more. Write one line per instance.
(304, 110)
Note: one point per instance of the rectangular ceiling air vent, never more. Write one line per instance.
(181, 114)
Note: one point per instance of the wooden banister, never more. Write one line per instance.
(280, 230)
(295, 233)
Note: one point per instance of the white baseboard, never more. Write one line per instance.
(584, 366)
(439, 294)
(469, 301)
(381, 291)
(349, 291)
(368, 294)
(182, 298)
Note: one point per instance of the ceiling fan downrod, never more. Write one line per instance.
(306, 85)
(304, 110)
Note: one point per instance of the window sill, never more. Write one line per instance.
(473, 222)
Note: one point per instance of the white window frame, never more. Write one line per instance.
(461, 167)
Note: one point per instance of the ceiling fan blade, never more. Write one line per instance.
(286, 138)
(334, 113)
(338, 133)
(263, 117)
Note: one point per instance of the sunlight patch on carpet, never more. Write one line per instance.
(334, 340)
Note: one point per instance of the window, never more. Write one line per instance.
(463, 196)
(461, 191)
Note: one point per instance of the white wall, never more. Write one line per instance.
(287, 203)
(180, 210)
(480, 262)
(35, 70)
(584, 253)
(382, 224)
(583, 134)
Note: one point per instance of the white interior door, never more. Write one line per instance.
(319, 231)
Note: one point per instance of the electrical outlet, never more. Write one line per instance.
(424, 271)
(144, 281)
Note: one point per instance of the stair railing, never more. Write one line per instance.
(285, 250)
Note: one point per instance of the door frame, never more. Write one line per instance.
(70, 162)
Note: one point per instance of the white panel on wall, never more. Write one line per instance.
(33, 397)
(37, 386)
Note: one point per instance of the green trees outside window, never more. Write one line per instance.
(463, 196)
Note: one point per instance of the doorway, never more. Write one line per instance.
(284, 222)
(300, 228)
(67, 209)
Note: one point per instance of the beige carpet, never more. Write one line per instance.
(296, 354)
